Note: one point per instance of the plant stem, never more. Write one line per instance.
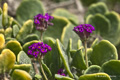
(42, 70)
(35, 67)
(86, 58)
(41, 36)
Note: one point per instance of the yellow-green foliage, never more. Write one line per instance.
(2, 41)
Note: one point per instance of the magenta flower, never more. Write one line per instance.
(38, 49)
(42, 22)
(60, 72)
(84, 30)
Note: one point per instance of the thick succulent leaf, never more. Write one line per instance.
(14, 46)
(5, 15)
(69, 33)
(54, 57)
(15, 22)
(72, 53)
(112, 68)
(1, 31)
(56, 30)
(79, 44)
(32, 8)
(97, 21)
(95, 42)
(20, 75)
(26, 45)
(15, 30)
(87, 3)
(48, 56)
(78, 60)
(92, 69)
(59, 77)
(46, 69)
(115, 27)
(25, 30)
(64, 13)
(31, 37)
(64, 57)
(102, 52)
(89, 52)
(69, 48)
(8, 32)
(96, 76)
(97, 8)
(25, 67)
(2, 41)
(22, 58)
(1, 22)
(7, 60)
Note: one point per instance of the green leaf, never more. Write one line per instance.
(112, 68)
(69, 33)
(115, 27)
(64, 13)
(56, 30)
(25, 12)
(22, 58)
(15, 30)
(25, 67)
(25, 30)
(48, 56)
(20, 75)
(7, 60)
(53, 58)
(64, 57)
(5, 15)
(97, 21)
(14, 46)
(95, 42)
(102, 52)
(47, 70)
(96, 76)
(100, 8)
(1, 27)
(59, 77)
(69, 48)
(2, 41)
(8, 32)
(78, 60)
(92, 69)
(31, 37)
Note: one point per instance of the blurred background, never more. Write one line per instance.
(77, 7)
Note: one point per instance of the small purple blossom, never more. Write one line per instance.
(84, 30)
(42, 22)
(38, 49)
(60, 72)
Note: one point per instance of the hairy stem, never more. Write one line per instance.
(41, 36)
(42, 70)
(86, 57)
(35, 67)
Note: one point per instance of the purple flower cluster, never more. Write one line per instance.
(42, 22)
(38, 49)
(84, 30)
(60, 72)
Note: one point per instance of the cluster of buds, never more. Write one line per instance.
(38, 49)
(42, 22)
(84, 30)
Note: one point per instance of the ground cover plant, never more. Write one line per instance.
(40, 46)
